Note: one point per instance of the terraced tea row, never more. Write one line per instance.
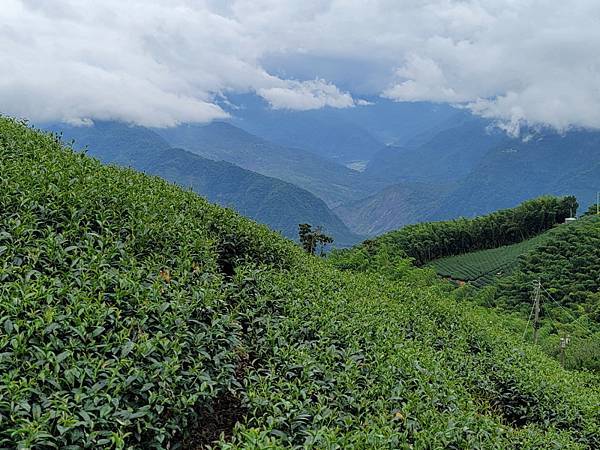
(484, 267)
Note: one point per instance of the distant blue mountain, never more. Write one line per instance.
(330, 181)
(537, 163)
(344, 135)
(447, 155)
(471, 170)
(268, 200)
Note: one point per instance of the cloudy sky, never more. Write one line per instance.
(163, 62)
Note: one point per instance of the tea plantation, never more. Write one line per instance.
(134, 314)
(485, 266)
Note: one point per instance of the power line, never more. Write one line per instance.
(573, 318)
(536, 311)
(536, 308)
(528, 319)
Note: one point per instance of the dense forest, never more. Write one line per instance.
(137, 315)
(424, 242)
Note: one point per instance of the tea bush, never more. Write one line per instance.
(115, 326)
(136, 315)
(483, 267)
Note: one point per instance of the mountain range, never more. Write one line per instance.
(332, 182)
(474, 168)
(284, 169)
(344, 135)
(268, 200)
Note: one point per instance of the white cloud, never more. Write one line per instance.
(156, 63)
(423, 79)
(306, 95)
(162, 62)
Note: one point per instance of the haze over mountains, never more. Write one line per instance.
(344, 135)
(276, 203)
(410, 163)
(331, 181)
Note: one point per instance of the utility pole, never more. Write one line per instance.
(564, 341)
(536, 310)
(597, 203)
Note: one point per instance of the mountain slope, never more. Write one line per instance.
(568, 265)
(148, 318)
(341, 134)
(449, 155)
(483, 267)
(393, 207)
(543, 163)
(421, 175)
(278, 204)
(424, 242)
(324, 132)
(487, 171)
(326, 179)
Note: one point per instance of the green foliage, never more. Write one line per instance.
(566, 259)
(365, 361)
(485, 266)
(311, 237)
(425, 242)
(568, 265)
(592, 210)
(114, 321)
(136, 315)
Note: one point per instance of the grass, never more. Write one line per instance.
(137, 315)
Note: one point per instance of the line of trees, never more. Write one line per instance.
(425, 242)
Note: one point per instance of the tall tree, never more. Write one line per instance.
(311, 237)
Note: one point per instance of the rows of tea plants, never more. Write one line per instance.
(485, 266)
(364, 361)
(424, 242)
(136, 315)
(567, 264)
(115, 325)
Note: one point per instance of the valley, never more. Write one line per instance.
(284, 225)
(460, 166)
(279, 204)
(148, 317)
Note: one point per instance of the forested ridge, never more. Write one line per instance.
(137, 315)
(424, 242)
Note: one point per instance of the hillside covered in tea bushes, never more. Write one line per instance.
(567, 264)
(483, 267)
(134, 314)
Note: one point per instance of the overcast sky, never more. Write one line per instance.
(163, 62)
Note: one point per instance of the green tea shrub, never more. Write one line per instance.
(115, 326)
(134, 314)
